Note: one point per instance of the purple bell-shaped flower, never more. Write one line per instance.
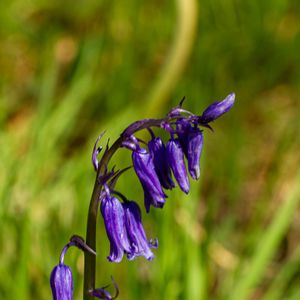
(191, 141)
(145, 170)
(194, 150)
(158, 152)
(61, 282)
(114, 220)
(139, 244)
(176, 161)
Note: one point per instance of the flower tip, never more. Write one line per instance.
(218, 108)
(150, 258)
(230, 99)
(186, 189)
(195, 173)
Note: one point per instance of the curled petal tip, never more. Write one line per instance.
(96, 151)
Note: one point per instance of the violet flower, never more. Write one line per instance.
(145, 170)
(183, 127)
(176, 162)
(194, 150)
(114, 220)
(217, 109)
(157, 150)
(61, 282)
(139, 244)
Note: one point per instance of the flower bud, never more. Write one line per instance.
(217, 109)
(61, 282)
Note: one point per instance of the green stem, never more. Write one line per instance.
(89, 258)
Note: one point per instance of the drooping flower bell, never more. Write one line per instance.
(217, 109)
(183, 127)
(114, 220)
(158, 153)
(145, 171)
(139, 244)
(176, 161)
(194, 150)
(191, 141)
(61, 282)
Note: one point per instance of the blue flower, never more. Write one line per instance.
(191, 141)
(145, 170)
(157, 150)
(61, 282)
(217, 109)
(114, 220)
(139, 244)
(176, 161)
(194, 150)
(183, 127)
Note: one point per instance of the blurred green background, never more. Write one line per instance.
(71, 69)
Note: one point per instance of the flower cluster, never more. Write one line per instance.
(124, 228)
(155, 165)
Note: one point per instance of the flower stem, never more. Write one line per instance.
(90, 259)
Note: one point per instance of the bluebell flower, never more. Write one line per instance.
(217, 109)
(61, 282)
(183, 128)
(114, 220)
(194, 150)
(145, 170)
(191, 141)
(176, 161)
(157, 150)
(139, 244)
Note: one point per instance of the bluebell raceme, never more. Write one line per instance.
(154, 163)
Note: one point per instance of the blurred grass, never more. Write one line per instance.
(69, 71)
